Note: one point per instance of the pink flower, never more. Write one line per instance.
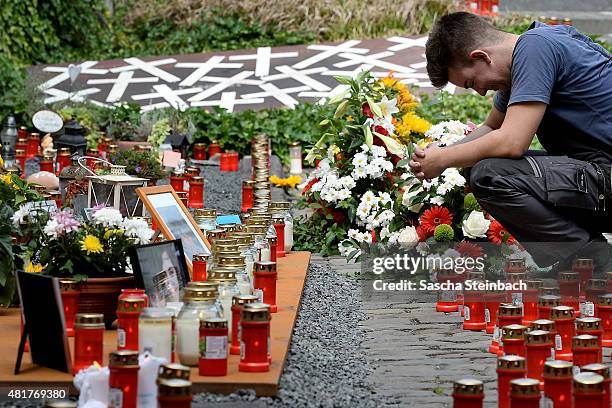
(65, 221)
(471, 127)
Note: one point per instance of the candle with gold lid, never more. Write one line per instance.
(585, 349)
(123, 379)
(468, 393)
(564, 319)
(507, 314)
(171, 371)
(530, 301)
(509, 367)
(525, 393)
(538, 345)
(199, 267)
(545, 304)
(604, 312)
(255, 338)
(513, 338)
(594, 289)
(548, 290)
(592, 326)
(604, 371)
(213, 346)
(589, 390)
(584, 267)
(88, 340)
(128, 313)
(569, 289)
(70, 292)
(558, 377)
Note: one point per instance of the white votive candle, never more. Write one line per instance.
(155, 332)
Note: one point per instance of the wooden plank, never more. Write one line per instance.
(292, 271)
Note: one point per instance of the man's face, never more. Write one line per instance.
(481, 75)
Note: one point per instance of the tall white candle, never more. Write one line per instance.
(295, 166)
(225, 297)
(288, 234)
(188, 341)
(155, 332)
(264, 254)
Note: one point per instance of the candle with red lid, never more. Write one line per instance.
(199, 267)
(604, 371)
(69, 289)
(558, 378)
(530, 301)
(177, 181)
(525, 393)
(545, 304)
(564, 319)
(604, 312)
(128, 313)
(265, 279)
(538, 345)
(196, 192)
(33, 145)
(507, 314)
(213, 346)
(254, 338)
(592, 326)
(199, 151)
(584, 267)
(589, 391)
(238, 301)
(468, 393)
(88, 340)
(63, 159)
(594, 289)
(509, 368)
(123, 379)
(585, 350)
(513, 339)
(569, 289)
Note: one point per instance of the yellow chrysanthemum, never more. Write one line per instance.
(291, 181)
(8, 179)
(1, 162)
(410, 124)
(31, 268)
(405, 101)
(91, 244)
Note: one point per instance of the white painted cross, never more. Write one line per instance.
(58, 95)
(217, 79)
(352, 74)
(282, 95)
(150, 67)
(323, 95)
(120, 84)
(406, 43)
(227, 82)
(263, 57)
(171, 96)
(64, 73)
(203, 68)
(329, 51)
(374, 59)
(228, 101)
(300, 76)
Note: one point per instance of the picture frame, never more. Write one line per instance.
(174, 220)
(161, 270)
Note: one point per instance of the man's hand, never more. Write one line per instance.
(427, 164)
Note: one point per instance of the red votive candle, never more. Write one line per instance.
(604, 312)
(604, 371)
(473, 310)
(177, 181)
(507, 314)
(63, 159)
(530, 301)
(33, 145)
(92, 163)
(585, 350)
(247, 195)
(513, 339)
(20, 156)
(525, 393)
(224, 162)
(515, 295)
(492, 301)
(265, 279)
(88, 340)
(123, 379)
(69, 289)
(569, 289)
(447, 297)
(584, 267)
(589, 391)
(213, 346)
(133, 292)
(46, 164)
(199, 151)
(213, 148)
(558, 378)
(279, 226)
(254, 338)
(564, 319)
(196, 192)
(174, 393)
(273, 242)
(128, 312)
(199, 267)
(509, 368)
(592, 326)
(538, 346)
(595, 288)
(468, 393)
(238, 301)
(545, 304)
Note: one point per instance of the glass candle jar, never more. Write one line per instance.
(69, 289)
(88, 340)
(295, 158)
(558, 376)
(196, 192)
(227, 290)
(508, 368)
(206, 218)
(199, 304)
(123, 379)
(265, 279)
(254, 338)
(174, 393)
(283, 209)
(155, 332)
(263, 247)
(213, 346)
(199, 151)
(128, 313)
(468, 393)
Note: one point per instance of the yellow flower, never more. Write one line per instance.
(349, 118)
(91, 244)
(405, 101)
(31, 268)
(291, 181)
(409, 125)
(110, 232)
(1, 162)
(8, 179)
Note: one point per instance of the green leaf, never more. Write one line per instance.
(369, 138)
(324, 122)
(402, 163)
(344, 79)
(374, 106)
(329, 238)
(341, 109)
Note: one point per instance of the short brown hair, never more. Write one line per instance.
(450, 41)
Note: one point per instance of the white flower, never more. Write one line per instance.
(378, 151)
(437, 200)
(408, 238)
(475, 225)
(138, 229)
(359, 173)
(444, 188)
(408, 200)
(109, 217)
(453, 177)
(353, 233)
(388, 107)
(19, 217)
(429, 184)
(51, 228)
(360, 160)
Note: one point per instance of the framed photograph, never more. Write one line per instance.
(174, 220)
(160, 269)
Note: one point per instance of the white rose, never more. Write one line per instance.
(408, 238)
(476, 225)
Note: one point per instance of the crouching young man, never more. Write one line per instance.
(550, 80)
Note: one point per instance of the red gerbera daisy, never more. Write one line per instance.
(469, 249)
(498, 234)
(434, 216)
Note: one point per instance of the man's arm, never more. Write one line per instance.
(511, 140)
